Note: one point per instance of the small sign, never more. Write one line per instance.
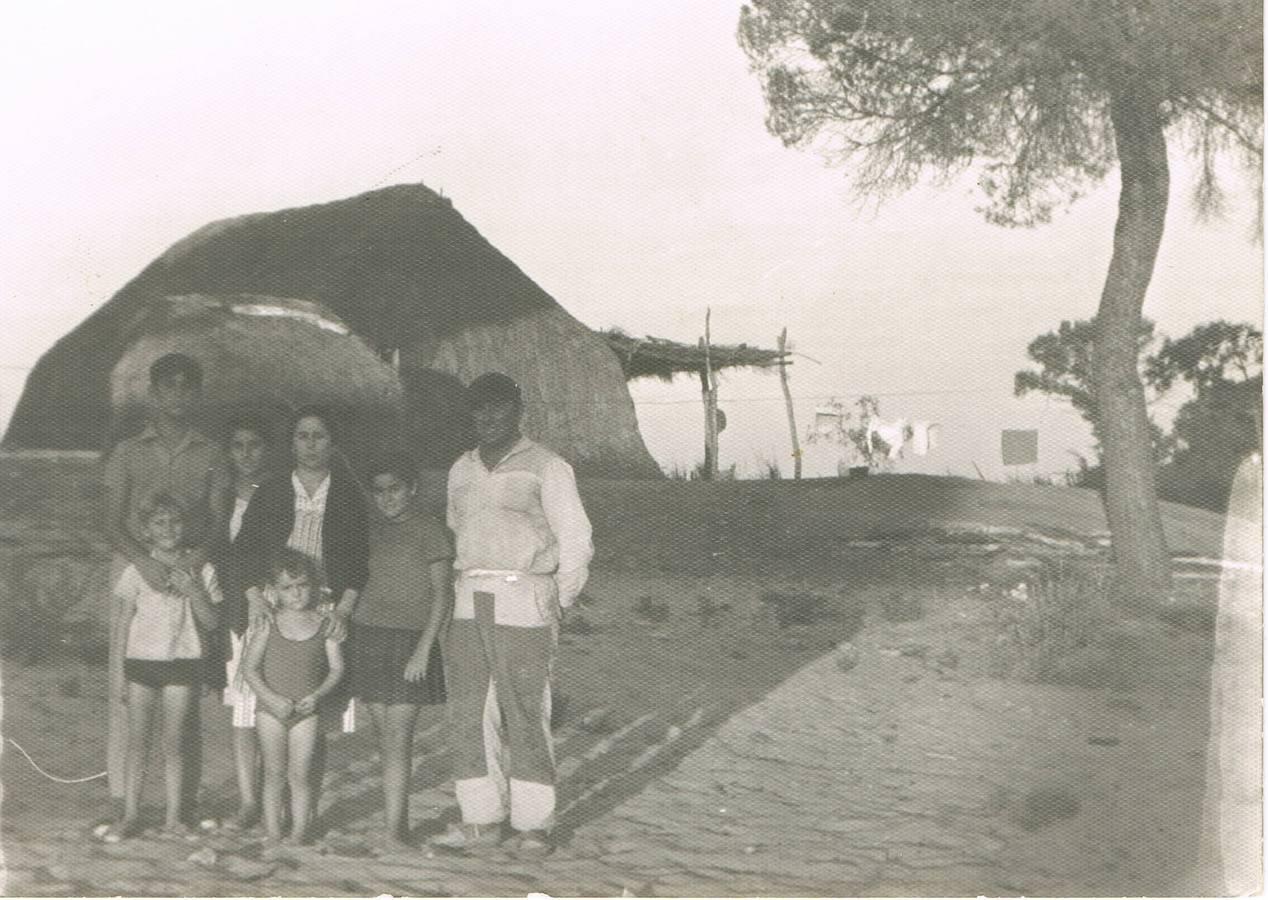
(827, 420)
(1019, 447)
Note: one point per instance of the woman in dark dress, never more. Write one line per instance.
(318, 509)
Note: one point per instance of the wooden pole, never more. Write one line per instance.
(788, 404)
(707, 467)
(709, 386)
(713, 394)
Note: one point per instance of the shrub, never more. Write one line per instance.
(724, 474)
(709, 610)
(1044, 620)
(768, 470)
(696, 473)
(650, 609)
(33, 619)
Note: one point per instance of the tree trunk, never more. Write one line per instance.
(1142, 565)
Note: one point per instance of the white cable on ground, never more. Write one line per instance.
(54, 777)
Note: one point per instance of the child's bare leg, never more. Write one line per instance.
(318, 777)
(141, 703)
(395, 724)
(178, 700)
(302, 747)
(246, 758)
(117, 712)
(273, 741)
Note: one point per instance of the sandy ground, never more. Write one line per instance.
(884, 744)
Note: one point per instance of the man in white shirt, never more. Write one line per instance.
(522, 552)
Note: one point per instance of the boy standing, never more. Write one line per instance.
(168, 456)
(523, 549)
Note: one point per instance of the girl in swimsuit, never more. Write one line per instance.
(291, 665)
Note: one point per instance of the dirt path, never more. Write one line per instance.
(893, 778)
(889, 767)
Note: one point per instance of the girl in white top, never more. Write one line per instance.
(162, 636)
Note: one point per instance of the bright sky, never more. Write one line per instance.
(615, 151)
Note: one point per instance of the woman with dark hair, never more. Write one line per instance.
(318, 509)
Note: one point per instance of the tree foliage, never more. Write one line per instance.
(1223, 420)
(1210, 355)
(851, 428)
(1214, 432)
(1064, 360)
(1017, 90)
(1221, 362)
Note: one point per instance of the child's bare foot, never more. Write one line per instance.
(122, 831)
(273, 849)
(299, 838)
(176, 828)
(247, 817)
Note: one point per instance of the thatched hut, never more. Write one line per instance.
(413, 280)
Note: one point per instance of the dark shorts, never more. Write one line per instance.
(159, 673)
(376, 667)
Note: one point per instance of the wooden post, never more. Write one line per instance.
(707, 467)
(709, 389)
(788, 404)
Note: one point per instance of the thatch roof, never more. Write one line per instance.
(403, 270)
(267, 355)
(650, 357)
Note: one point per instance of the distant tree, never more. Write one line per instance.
(1223, 420)
(1213, 433)
(1064, 358)
(1211, 355)
(1041, 97)
(852, 430)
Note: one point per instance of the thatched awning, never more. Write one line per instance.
(650, 357)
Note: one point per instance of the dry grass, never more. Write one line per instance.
(1044, 622)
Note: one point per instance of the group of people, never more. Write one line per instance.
(309, 594)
